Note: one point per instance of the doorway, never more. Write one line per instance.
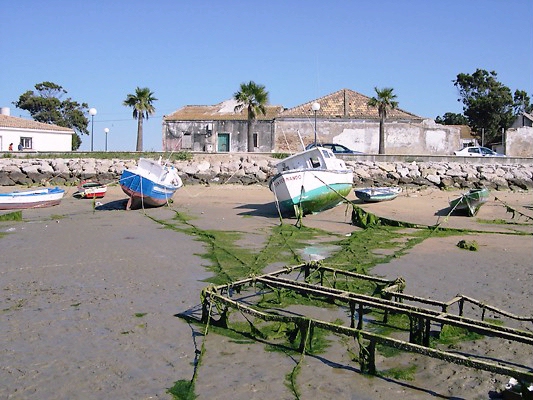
(223, 142)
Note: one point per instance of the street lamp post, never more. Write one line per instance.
(315, 107)
(106, 131)
(92, 112)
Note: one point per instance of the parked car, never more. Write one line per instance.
(477, 151)
(335, 148)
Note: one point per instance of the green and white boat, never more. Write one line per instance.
(471, 201)
(311, 181)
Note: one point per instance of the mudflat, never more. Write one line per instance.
(90, 295)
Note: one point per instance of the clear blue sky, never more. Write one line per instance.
(199, 52)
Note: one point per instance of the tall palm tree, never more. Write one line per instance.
(383, 100)
(141, 102)
(254, 97)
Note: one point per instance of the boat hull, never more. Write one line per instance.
(470, 202)
(144, 192)
(91, 190)
(31, 199)
(310, 190)
(378, 194)
(150, 184)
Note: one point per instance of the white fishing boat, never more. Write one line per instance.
(377, 194)
(310, 181)
(37, 198)
(150, 184)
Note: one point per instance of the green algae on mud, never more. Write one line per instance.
(229, 262)
(11, 216)
(380, 241)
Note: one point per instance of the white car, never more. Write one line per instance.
(477, 151)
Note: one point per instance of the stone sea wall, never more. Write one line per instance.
(250, 169)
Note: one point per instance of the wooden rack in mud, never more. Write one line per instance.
(426, 316)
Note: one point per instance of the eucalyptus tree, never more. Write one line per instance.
(384, 100)
(451, 118)
(46, 105)
(489, 105)
(254, 98)
(142, 104)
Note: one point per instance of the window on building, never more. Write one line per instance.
(256, 140)
(26, 142)
(186, 140)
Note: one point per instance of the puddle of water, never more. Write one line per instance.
(318, 252)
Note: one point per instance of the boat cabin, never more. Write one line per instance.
(314, 158)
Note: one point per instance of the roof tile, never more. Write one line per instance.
(345, 103)
(218, 112)
(7, 121)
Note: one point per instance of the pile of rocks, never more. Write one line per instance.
(249, 169)
(444, 174)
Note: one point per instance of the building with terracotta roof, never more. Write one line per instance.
(32, 135)
(217, 128)
(343, 117)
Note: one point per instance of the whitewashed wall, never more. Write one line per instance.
(41, 140)
(519, 142)
(424, 138)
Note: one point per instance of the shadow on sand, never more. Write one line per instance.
(267, 210)
(112, 205)
(444, 212)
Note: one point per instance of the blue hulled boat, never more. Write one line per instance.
(150, 183)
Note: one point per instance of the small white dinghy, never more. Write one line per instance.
(377, 194)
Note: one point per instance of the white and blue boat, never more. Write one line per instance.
(37, 198)
(150, 183)
(310, 181)
(377, 194)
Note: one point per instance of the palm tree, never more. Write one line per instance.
(141, 102)
(384, 99)
(254, 98)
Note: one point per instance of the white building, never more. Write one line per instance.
(33, 135)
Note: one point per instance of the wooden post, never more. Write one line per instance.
(205, 311)
(444, 311)
(386, 296)
(427, 333)
(223, 322)
(360, 315)
(372, 357)
(352, 313)
(302, 326)
(367, 357)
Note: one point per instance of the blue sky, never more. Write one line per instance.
(199, 52)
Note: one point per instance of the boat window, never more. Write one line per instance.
(315, 162)
(326, 153)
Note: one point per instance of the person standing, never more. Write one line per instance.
(20, 146)
(10, 146)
